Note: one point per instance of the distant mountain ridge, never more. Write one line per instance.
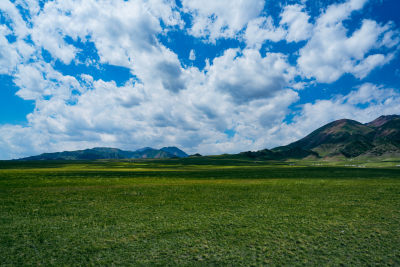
(172, 150)
(341, 139)
(112, 153)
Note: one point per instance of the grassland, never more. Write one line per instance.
(199, 212)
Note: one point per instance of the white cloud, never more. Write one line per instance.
(221, 19)
(9, 56)
(293, 27)
(16, 141)
(192, 55)
(371, 94)
(38, 80)
(247, 76)
(331, 52)
(245, 91)
(136, 114)
(12, 14)
(338, 12)
(260, 30)
(114, 27)
(32, 6)
(369, 63)
(14, 52)
(124, 34)
(296, 21)
(255, 125)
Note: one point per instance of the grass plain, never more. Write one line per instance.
(199, 211)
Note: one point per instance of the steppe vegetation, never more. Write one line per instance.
(198, 211)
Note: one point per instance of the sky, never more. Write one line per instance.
(209, 77)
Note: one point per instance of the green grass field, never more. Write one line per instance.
(198, 212)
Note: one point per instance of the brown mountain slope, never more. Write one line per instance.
(387, 137)
(349, 138)
(344, 137)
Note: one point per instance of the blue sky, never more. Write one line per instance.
(211, 77)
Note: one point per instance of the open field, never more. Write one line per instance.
(199, 212)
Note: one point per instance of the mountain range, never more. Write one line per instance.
(339, 139)
(112, 153)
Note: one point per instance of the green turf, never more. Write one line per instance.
(198, 212)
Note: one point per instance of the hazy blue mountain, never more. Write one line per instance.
(107, 153)
(143, 149)
(151, 153)
(175, 151)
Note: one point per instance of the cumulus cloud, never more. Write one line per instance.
(373, 95)
(245, 90)
(17, 51)
(135, 115)
(10, 11)
(294, 26)
(39, 79)
(119, 29)
(262, 29)
(221, 19)
(9, 56)
(247, 76)
(295, 19)
(132, 117)
(123, 33)
(331, 52)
